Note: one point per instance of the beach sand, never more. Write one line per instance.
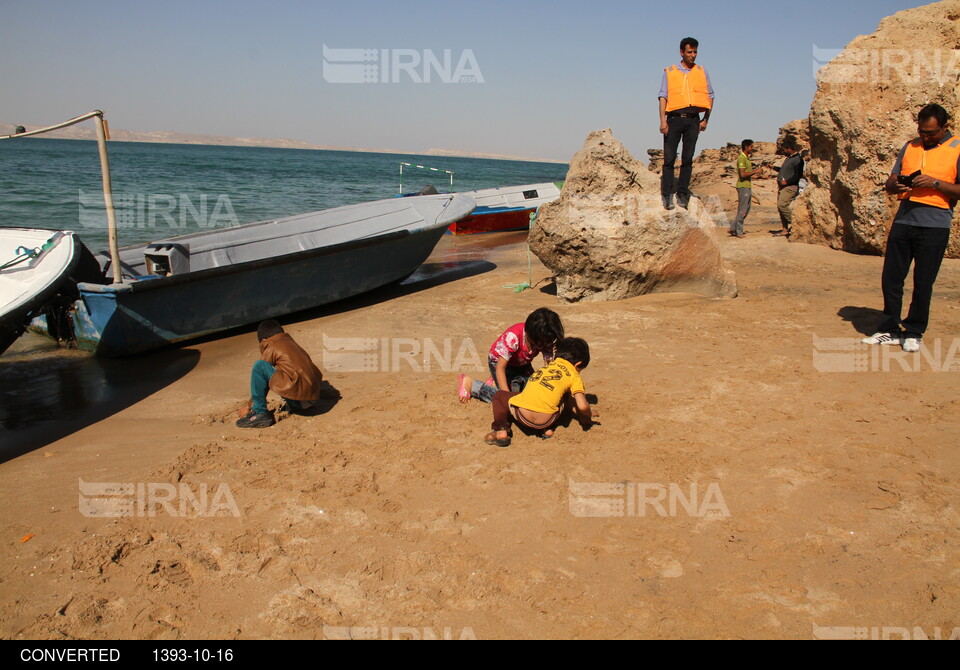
(826, 503)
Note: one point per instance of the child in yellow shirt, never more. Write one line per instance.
(539, 405)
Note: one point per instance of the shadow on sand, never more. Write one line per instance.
(45, 398)
(429, 275)
(864, 319)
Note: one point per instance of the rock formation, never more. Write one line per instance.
(863, 111)
(717, 165)
(799, 129)
(714, 174)
(608, 237)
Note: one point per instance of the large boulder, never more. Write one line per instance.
(863, 112)
(608, 237)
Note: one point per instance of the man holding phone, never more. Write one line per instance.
(925, 177)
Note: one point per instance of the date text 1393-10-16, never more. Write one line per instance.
(199, 654)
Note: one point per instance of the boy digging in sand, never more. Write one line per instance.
(539, 405)
(285, 368)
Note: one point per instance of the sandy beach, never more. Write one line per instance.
(807, 501)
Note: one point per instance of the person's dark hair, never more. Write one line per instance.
(689, 40)
(790, 142)
(574, 350)
(745, 144)
(268, 329)
(933, 111)
(543, 328)
(805, 154)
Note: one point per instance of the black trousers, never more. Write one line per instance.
(688, 130)
(925, 247)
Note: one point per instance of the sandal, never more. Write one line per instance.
(492, 439)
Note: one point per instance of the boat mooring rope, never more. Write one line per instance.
(26, 254)
(517, 288)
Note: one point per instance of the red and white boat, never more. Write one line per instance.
(505, 208)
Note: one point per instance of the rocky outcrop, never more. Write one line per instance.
(717, 165)
(799, 130)
(608, 237)
(714, 173)
(863, 111)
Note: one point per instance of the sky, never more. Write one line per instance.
(534, 78)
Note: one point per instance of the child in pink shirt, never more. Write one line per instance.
(511, 355)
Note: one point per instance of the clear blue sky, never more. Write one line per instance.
(552, 71)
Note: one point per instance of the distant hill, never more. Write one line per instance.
(84, 132)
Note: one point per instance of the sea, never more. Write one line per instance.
(162, 190)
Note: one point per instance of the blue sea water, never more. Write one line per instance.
(163, 190)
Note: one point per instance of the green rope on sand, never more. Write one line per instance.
(517, 288)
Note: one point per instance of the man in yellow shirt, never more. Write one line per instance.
(746, 173)
(539, 405)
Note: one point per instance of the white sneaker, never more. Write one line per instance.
(881, 338)
(911, 345)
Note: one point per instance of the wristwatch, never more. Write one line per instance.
(936, 184)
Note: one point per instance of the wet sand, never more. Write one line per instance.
(812, 501)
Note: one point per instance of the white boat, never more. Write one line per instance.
(34, 265)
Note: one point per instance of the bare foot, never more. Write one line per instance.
(466, 384)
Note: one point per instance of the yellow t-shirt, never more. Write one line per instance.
(547, 386)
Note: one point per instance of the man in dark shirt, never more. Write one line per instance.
(925, 176)
(788, 182)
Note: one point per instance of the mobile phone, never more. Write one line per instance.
(907, 180)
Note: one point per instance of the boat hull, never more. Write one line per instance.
(33, 283)
(504, 208)
(493, 221)
(129, 318)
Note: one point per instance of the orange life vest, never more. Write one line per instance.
(687, 89)
(939, 163)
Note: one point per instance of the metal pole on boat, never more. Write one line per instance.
(102, 135)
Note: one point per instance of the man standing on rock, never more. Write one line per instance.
(788, 183)
(685, 93)
(925, 179)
